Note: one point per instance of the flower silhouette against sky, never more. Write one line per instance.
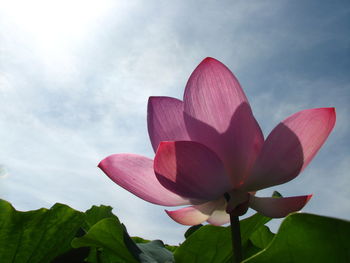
(211, 153)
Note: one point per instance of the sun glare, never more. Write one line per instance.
(53, 27)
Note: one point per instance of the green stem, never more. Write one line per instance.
(236, 239)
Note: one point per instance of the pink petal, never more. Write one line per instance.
(217, 114)
(219, 216)
(192, 215)
(213, 94)
(135, 173)
(278, 207)
(191, 170)
(290, 147)
(165, 120)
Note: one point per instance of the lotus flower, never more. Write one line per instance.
(211, 154)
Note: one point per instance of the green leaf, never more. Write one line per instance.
(276, 194)
(140, 240)
(155, 251)
(252, 224)
(249, 249)
(36, 236)
(308, 238)
(92, 216)
(171, 248)
(108, 234)
(191, 230)
(93, 256)
(107, 256)
(213, 243)
(148, 251)
(208, 244)
(262, 237)
(73, 256)
(97, 213)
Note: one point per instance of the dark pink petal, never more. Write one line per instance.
(191, 170)
(165, 120)
(192, 215)
(218, 115)
(278, 207)
(290, 147)
(135, 173)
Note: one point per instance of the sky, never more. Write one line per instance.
(75, 77)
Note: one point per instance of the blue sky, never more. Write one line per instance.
(75, 77)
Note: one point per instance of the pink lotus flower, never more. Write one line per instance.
(211, 153)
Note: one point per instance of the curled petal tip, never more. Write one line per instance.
(208, 59)
(152, 98)
(100, 164)
(330, 110)
(308, 198)
(168, 212)
(333, 112)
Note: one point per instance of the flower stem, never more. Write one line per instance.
(236, 239)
